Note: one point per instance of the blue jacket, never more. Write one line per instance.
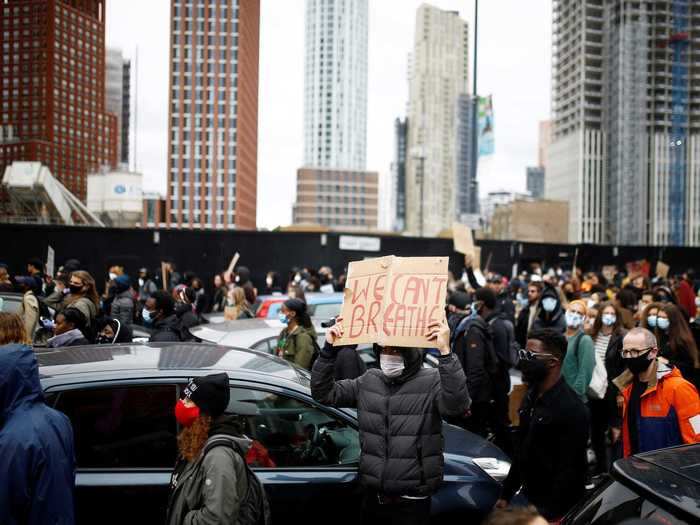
(37, 462)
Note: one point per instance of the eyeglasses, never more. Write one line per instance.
(527, 355)
(634, 352)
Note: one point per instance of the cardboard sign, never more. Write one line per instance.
(392, 300)
(662, 270)
(50, 262)
(164, 274)
(463, 239)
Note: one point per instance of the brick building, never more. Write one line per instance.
(213, 114)
(52, 91)
(342, 199)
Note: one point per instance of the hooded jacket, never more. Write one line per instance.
(554, 319)
(669, 410)
(72, 337)
(37, 463)
(123, 307)
(298, 346)
(166, 330)
(400, 419)
(477, 355)
(210, 489)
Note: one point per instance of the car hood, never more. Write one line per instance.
(461, 442)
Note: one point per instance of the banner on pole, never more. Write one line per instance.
(485, 123)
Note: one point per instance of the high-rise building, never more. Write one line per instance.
(438, 78)
(467, 187)
(398, 177)
(544, 140)
(118, 85)
(626, 130)
(335, 84)
(535, 182)
(343, 199)
(213, 114)
(52, 89)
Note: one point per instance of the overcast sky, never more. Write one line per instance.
(514, 66)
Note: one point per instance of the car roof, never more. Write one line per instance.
(161, 359)
(671, 475)
(242, 332)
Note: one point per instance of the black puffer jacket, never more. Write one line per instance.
(400, 419)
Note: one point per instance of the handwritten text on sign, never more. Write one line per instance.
(392, 300)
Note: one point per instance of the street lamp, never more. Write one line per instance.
(418, 154)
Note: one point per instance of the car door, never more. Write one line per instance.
(305, 455)
(125, 446)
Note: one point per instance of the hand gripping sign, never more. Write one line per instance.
(392, 300)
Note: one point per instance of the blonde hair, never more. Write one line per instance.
(581, 303)
(12, 330)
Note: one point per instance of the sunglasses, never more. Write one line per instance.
(527, 355)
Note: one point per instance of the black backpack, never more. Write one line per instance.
(510, 359)
(255, 509)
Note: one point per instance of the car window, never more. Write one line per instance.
(617, 503)
(122, 426)
(325, 311)
(266, 345)
(290, 433)
(10, 305)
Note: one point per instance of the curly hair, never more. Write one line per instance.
(191, 440)
(12, 329)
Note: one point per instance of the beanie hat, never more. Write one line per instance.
(459, 300)
(122, 283)
(210, 393)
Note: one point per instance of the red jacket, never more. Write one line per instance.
(669, 411)
(686, 298)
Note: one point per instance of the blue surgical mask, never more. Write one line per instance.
(147, 317)
(651, 321)
(549, 304)
(573, 319)
(608, 319)
(663, 323)
(283, 319)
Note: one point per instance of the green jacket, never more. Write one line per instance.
(579, 363)
(298, 346)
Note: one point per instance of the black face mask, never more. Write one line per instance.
(103, 340)
(534, 371)
(75, 289)
(638, 364)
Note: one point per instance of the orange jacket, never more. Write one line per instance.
(669, 411)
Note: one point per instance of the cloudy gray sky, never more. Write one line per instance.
(514, 66)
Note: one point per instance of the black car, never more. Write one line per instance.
(120, 400)
(661, 486)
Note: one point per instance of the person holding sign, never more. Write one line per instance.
(400, 408)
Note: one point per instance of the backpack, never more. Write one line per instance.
(510, 359)
(255, 509)
(317, 352)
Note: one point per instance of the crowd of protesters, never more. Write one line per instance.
(608, 364)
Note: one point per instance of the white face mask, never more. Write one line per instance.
(574, 319)
(112, 276)
(269, 281)
(391, 365)
(141, 281)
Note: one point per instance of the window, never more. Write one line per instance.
(122, 427)
(290, 433)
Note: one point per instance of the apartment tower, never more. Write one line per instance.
(438, 82)
(118, 86)
(52, 89)
(626, 120)
(213, 114)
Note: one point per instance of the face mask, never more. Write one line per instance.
(103, 339)
(112, 276)
(651, 321)
(573, 319)
(590, 303)
(283, 319)
(534, 371)
(297, 278)
(638, 364)
(75, 289)
(391, 365)
(549, 304)
(147, 317)
(663, 323)
(238, 278)
(185, 415)
(141, 281)
(66, 291)
(269, 282)
(608, 319)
